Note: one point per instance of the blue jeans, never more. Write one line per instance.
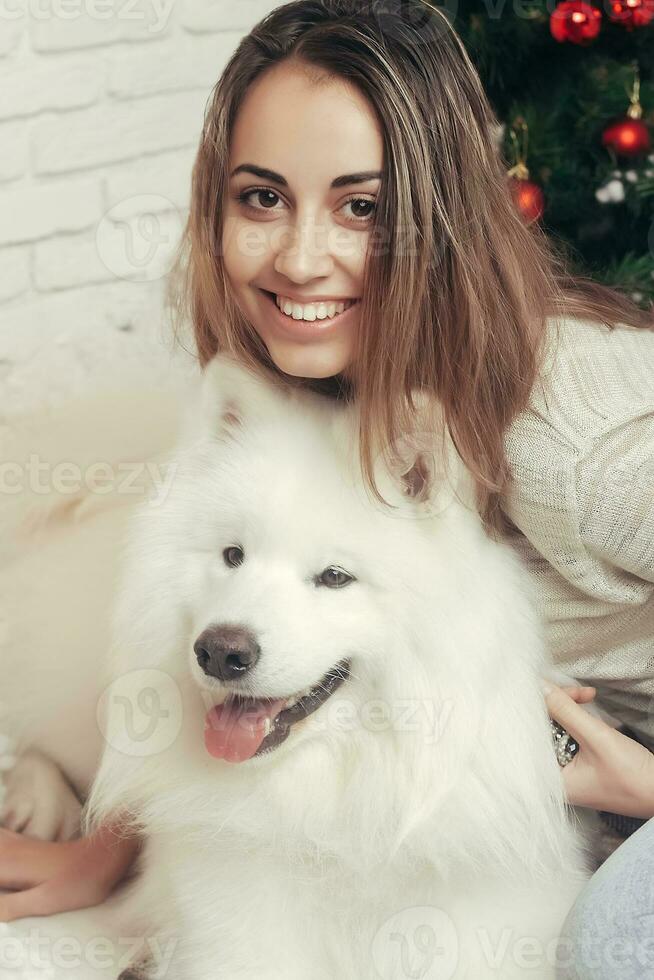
(609, 932)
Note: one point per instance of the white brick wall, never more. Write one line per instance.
(101, 105)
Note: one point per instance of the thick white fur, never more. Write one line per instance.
(416, 821)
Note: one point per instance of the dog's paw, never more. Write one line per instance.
(38, 800)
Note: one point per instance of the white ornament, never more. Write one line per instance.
(631, 176)
(613, 192)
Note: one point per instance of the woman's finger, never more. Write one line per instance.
(26, 861)
(583, 726)
(580, 694)
(33, 901)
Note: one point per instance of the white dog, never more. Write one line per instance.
(327, 715)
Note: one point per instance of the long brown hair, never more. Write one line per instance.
(456, 300)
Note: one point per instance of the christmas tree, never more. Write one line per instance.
(572, 85)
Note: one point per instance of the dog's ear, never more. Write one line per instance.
(424, 461)
(230, 419)
(419, 471)
(418, 480)
(233, 394)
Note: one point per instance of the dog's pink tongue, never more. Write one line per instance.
(234, 731)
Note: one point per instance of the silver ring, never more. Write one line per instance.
(565, 746)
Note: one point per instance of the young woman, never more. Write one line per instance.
(348, 156)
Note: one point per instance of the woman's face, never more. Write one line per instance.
(301, 231)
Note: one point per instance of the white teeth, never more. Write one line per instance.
(312, 311)
(298, 697)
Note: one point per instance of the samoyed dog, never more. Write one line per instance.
(325, 712)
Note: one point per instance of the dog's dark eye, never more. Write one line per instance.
(334, 578)
(233, 556)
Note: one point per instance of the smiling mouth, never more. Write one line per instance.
(243, 727)
(319, 322)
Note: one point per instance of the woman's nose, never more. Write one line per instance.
(303, 251)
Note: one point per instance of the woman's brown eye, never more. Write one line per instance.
(244, 198)
(269, 195)
(366, 204)
(233, 556)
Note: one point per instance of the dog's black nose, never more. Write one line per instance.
(226, 652)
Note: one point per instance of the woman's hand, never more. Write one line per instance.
(56, 876)
(610, 771)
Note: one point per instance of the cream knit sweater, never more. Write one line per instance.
(582, 501)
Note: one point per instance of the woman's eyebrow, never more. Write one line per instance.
(264, 174)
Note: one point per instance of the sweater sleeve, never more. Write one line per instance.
(582, 516)
(614, 483)
(582, 461)
(581, 502)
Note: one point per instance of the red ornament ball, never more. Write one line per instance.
(627, 137)
(528, 197)
(576, 21)
(631, 13)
